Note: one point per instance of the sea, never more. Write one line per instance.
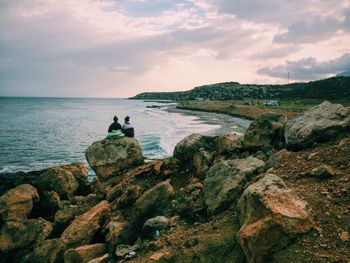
(37, 133)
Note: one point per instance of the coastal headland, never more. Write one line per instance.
(278, 193)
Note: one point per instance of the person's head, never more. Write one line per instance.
(127, 118)
(115, 118)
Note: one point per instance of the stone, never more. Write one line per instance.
(230, 143)
(320, 123)
(152, 202)
(278, 157)
(115, 231)
(83, 228)
(265, 131)
(16, 234)
(50, 200)
(47, 251)
(155, 223)
(85, 253)
(111, 157)
(81, 173)
(344, 236)
(17, 203)
(158, 255)
(124, 250)
(190, 145)
(57, 179)
(323, 171)
(270, 216)
(201, 162)
(103, 259)
(225, 180)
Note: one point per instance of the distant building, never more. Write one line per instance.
(272, 103)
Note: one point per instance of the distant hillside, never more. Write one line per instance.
(331, 88)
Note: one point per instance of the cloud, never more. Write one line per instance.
(308, 68)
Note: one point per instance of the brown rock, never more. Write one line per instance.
(323, 171)
(103, 259)
(270, 216)
(57, 179)
(82, 230)
(112, 156)
(344, 236)
(17, 203)
(85, 253)
(81, 173)
(158, 255)
(201, 162)
(22, 233)
(230, 143)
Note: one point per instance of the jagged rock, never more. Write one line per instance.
(155, 223)
(47, 251)
(103, 259)
(230, 143)
(225, 180)
(116, 229)
(57, 179)
(270, 216)
(189, 146)
(82, 230)
(317, 124)
(50, 200)
(112, 156)
(123, 250)
(323, 171)
(81, 173)
(17, 203)
(278, 157)
(267, 130)
(152, 202)
(85, 253)
(201, 162)
(21, 233)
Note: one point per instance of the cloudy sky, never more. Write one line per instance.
(118, 48)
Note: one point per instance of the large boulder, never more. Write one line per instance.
(267, 130)
(230, 143)
(58, 179)
(18, 234)
(190, 145)
(317, 124)
(82, 230)
(225, 181)
(270, 216)
(112, 156)
(17, 203)
(201, 162)
(85, 253)
(81, 173)
(47, 251)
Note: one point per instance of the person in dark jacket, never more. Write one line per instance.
(127, 128)
(115, 125)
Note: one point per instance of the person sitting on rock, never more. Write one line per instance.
(127, 128)
(115, 129)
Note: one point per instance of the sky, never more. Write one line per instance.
(119, 48)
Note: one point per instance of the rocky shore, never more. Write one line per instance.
(278, 193)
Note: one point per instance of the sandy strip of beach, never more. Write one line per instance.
(227, 123)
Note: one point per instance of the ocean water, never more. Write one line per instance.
(37, 133)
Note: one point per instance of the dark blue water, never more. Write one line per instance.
(37, 133)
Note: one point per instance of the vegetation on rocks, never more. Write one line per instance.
(280, 193)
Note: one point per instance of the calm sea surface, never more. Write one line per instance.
(37, 133)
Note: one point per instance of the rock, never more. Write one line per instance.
(230, 143)
(17, 203)
(155, 223)
(85, 253)
(323, 171)
(50, 250)
(152, 202)
(189, 146)
(317, 124)
(225, 180)
(50, 200)
(57, 179)
(270, 216)
(201, 162)
(265, 131)
(103, 259)
(22, 233)
(158, 255)
(124, 250)
(116, 229)
(81, 173)
(344, 236)
(82, 230)
(112, 156)
(278, 157)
